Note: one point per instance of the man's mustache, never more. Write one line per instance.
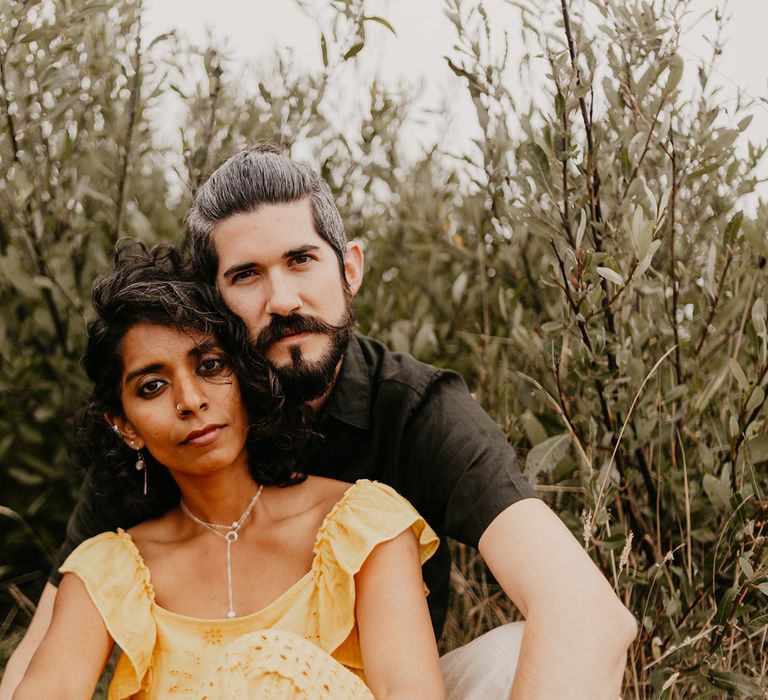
(279, 326)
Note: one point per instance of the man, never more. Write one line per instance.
(266, 231)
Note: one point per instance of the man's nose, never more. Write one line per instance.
(283, 298)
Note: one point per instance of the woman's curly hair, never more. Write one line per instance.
(152, 287)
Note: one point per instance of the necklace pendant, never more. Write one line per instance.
(231, 614)
(231, 536)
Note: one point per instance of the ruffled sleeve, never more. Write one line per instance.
(117, 580)
(368, 514)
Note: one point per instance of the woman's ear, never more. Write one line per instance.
(125, 431)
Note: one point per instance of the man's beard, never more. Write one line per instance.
(300, 379)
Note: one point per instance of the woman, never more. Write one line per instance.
(253, 580)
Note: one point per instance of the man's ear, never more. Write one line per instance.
(127, 431)
(353, 266)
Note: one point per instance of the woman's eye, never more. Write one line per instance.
(301, 259)
(150, 387)
(213, 365)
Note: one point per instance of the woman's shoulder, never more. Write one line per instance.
(102, 544)
(117, 549)
(314, 496)
(329, 497)
(367, 513)
(157, 530)
(327, 492)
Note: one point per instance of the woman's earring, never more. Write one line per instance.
(141, 466)
(116, 430)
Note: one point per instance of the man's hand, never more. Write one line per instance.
(577, 631)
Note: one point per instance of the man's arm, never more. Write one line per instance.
(19, 660)
(577, 631)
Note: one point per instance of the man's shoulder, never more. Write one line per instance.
(398, 369)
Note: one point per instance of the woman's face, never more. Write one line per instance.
(180, 400)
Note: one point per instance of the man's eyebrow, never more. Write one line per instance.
(239, 268)
(301, 250)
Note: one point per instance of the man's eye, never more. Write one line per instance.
(244, 275)
(150, 387)
(301, 259)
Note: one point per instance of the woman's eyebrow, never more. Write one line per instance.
(154, 367)
(202, 348)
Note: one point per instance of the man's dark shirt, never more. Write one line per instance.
(404, 423)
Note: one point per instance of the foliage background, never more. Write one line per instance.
(586, 265)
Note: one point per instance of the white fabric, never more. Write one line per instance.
(485, 668)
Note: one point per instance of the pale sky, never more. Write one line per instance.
(252, 29)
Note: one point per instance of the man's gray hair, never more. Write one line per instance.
(244, 183)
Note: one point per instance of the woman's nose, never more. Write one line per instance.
(190, 398)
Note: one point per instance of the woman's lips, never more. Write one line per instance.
(204, 436)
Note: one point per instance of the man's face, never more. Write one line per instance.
(284, 281)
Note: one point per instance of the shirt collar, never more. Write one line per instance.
(350, 399)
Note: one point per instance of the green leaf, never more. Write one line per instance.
(425, 343)
(161, 37)
(645, 263)
(545, 456)
(724, 607)
(729, 680)
(756, 399)
(733, 228)
(738, 373)
(95, 7)
(559, 104)
(356, 49)
(41, 33)
(538, 158)
(533, 428)
(266, 94)
(380, 20)
(676, 68)
(459, 286)
(706, 456)
(581, 229)
(758, 316)
(324, 49)
(714, 385)
(24, 477)
(610, 275)
(757, 449)
(718, 492)
(746, 567)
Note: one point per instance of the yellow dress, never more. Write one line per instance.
(302, 645)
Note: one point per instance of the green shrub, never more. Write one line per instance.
(586, 265)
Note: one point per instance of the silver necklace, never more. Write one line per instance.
(230, 534)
